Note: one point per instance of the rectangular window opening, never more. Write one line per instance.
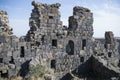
(1, 60)
(109, 54)
(83, 43)
(54, 42)
(53, 64)
(50, 17)
(22, 53)
(12, 60)
(81, 59)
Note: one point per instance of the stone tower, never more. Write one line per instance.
(81, 22)
(44, 22)
(81, 29)
(111, 44)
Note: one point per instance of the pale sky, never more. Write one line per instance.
(106, 14)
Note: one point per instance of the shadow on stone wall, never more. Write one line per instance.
(24, 71)
(85, 70)
(92, 69)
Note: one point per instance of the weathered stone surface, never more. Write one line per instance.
(109, 37)
(60, 49)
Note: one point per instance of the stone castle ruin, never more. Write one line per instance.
(69, 51)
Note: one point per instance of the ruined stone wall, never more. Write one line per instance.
(66, 64)
(66, 51)
(81, 27)
(48, 42)
(44, 21)
(109, 46)
(81, 23)
(4, 23)
(5, 44)
(77, 47)
(13, 52)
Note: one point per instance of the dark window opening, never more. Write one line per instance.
(22, 53)
(37, 43)
(54, 42)
(81, 59)
(3, 75)
(105, 46)
(83, 44)
(43, 39)
(101, 54)
(53, 64)
(70, 48)
(12, 60)
(109, 54)
(119, 63)
(31, 44)
(50, 17)
(67, 76)
(1, 60)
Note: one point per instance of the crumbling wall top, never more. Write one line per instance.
(78, 8)
(4, 23)
(3, 12)
(37, 4)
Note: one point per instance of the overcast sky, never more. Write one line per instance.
(106, 14)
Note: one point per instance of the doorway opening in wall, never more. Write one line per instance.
(109, 54)
(53, 64)
(70, 47)
(82, 59)
(22, 51)
(12, 60)
(1, 60)
(54, 42)
(83, 43)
